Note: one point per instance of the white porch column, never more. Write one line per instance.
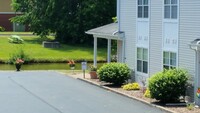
(95, 52)
(109, 51)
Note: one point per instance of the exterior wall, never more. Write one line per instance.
(155, 51)
(5, 6)
(128, 24)
(189, 31)
(5, 22)
(183, 30)
(6, 13)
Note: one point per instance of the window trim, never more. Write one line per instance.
(169, 59)
(142, 60)
(143, 7)
(171, 5)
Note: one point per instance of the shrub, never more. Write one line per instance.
(116, 73)
(147, 93)
(131, 86)
(168, 85)
(2, 29)
(15, 39)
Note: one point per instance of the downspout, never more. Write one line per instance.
(119, 29)
(118, 14)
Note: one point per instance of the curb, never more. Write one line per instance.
(123, 94)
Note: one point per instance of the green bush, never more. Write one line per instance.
(2, 29)
(168, 85)
(116, 73)
(15, 39)
(131, 86)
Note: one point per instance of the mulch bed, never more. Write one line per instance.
(139, 95)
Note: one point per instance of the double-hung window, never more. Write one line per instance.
(169, 60)
(142, 60)
(143, 9)
(170, 9)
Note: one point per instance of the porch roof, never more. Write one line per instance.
(109, 31)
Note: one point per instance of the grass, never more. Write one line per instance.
(32, 46)
(14, 33)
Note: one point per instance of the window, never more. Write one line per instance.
(169, 60)
(142, 60)
(170, 9)
(143, 9)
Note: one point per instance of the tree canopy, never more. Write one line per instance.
(68, 19)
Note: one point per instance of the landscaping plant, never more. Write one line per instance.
(116, 73)
(19, 54)
(2, 29)
(168, 85)
(131, 86)
(147, 94)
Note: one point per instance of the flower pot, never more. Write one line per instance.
(18, 67)
(93, 74)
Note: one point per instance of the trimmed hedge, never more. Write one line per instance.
(116, 73)
(168, 85)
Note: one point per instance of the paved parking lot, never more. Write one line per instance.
(52, 92)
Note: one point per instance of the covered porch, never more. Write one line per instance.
(109, 32)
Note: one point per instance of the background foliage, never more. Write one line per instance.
(68, 19)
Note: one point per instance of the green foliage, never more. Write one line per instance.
(168, 85)
(116, 73)
(2, 29)
(131, 86)
(190, 106)
(19, 54)
(147, 93)
(93, 68)
(114, 19)
(74, 17)
(15, 39)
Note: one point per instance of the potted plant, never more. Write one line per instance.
(18, 63)
(93, 72)
(71, 64)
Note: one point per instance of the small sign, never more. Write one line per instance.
(84, 65)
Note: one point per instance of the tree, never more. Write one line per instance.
(68, 19)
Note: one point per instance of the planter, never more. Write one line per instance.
(18, 67)
(72, 68)
(93, 74)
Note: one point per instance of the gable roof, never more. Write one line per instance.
(109, 31)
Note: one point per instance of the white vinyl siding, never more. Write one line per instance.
(127, 24)
(155, 47)
(189, 31)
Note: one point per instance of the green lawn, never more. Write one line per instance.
(33, 47)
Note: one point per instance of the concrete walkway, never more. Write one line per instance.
(52, 92)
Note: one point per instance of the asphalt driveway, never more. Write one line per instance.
(51, 92)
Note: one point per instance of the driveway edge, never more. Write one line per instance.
(129, 96)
